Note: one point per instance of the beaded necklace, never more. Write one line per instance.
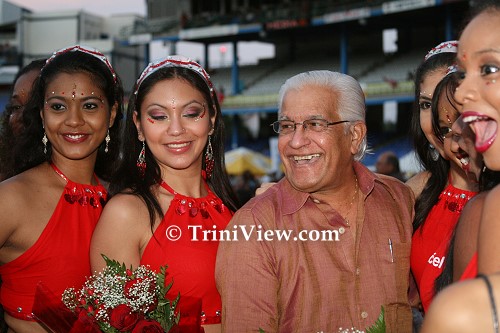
(84, 195)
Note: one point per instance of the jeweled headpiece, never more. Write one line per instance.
(79, 48)
(175, 61)
(448, 46)
(451, 69)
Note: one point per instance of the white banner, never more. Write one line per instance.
(404, 5)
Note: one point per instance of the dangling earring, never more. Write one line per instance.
(44, 141)
(434, 153)
(108, 138)
(141, 160)
(209, 158)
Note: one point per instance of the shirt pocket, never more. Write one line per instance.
(394, 263)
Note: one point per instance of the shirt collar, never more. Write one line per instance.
(293, 199)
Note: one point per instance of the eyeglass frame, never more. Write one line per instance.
(327, 123)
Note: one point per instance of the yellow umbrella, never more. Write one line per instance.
(243, 159)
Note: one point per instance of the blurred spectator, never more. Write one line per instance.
(388, 164)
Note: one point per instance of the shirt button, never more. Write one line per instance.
(357, 271)
(316, 201)
(341, 230)
(364, 314)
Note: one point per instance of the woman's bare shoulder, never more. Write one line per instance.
(461, 307)
(24, 188)
(417, 182)
(124, 207)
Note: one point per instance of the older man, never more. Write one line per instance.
(347, 251)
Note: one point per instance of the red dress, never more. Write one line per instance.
(60, 257)
(430, 241)
(470, 271)
(191, 258)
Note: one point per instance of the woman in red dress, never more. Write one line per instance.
(172, 193)
(442, 181)
(50, 207)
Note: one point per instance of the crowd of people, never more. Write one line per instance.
(82, 178)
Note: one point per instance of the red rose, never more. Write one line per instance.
(122, 318)
(85, 324)
(148, 326)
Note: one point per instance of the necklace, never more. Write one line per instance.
(84, 195)
(352, 200)
(193, 206)
(455, 202)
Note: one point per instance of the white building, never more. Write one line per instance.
(26, 35)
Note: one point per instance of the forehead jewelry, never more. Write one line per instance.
(85, 49)
(176, 61)
(74, 92)
(448, 46)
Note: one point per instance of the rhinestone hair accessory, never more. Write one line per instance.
(79, 48)
(451, 69)
(448, 46)
(175, 61)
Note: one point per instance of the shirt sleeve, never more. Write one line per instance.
(246, 276)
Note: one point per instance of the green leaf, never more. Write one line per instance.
(379, 326)
(165, 311)
(114, 265)
(261, 330)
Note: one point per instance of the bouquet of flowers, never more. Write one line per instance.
(119, 299)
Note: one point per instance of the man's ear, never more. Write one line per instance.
(358, 134)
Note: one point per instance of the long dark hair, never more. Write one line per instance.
(488, 178)
(445, 88)
(28, 151)
(7, 136)
(128, 179)
(438, 169)
(479, 6)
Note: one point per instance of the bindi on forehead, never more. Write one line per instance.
(73, 92)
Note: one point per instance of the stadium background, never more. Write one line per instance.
(339, 35)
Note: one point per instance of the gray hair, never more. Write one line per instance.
(350, 105)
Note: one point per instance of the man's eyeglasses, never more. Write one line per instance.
(316, 125)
